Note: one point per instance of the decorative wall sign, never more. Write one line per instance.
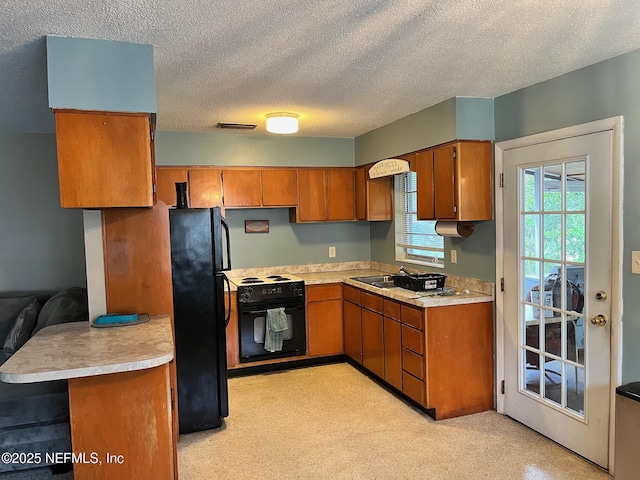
(388, 167)
(256, 226)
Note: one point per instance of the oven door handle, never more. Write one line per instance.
(287, 307)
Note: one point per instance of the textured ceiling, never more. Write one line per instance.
(346, 67)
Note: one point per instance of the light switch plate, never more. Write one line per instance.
(454, 256)
(332, 252)
(635, 262)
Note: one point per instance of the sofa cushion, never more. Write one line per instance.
(22, 328)
(10, 308)
(68, 305)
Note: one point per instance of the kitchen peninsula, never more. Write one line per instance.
(119, 394)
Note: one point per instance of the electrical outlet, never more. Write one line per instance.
(332, 252)
(635, 262)
(454, 256)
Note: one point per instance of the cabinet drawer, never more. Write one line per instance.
(412, 339)
(412, 316)
(391, 309)
(350, 293)
(372, 302)
(413, 363)
(318, 293)
(413, 387)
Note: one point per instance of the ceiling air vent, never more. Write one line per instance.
(236, 126)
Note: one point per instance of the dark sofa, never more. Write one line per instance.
(34, 417)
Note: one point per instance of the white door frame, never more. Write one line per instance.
(615, 124)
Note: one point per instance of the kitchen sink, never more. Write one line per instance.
(380, 281)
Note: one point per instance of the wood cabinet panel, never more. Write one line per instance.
(233, 347)
(444, 179)
(340, 195)
(205, 187)
(460, 346)
(279, 187)
(412, 316)
(412, 339)
(104, 159)
(380, 199)
(374, 197)
(425, 185)
(137, 262)
(242, 188)
(413, 363)
(318, 293)
(392, 353)
(135, 410)
(475, 181)
(312, 196)
(166, 179)
(391, 309)
(413, 387)
(361, 194)
(371, 301)
(373, 342)
(352, 331)
(351, 294)
(325, 328)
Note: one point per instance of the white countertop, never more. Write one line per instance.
(73, 350)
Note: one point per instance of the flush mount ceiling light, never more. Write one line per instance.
(282, 123)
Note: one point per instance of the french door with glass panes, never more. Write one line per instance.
(557, 272)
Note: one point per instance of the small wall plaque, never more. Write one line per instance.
(388, 167)
(256, 226)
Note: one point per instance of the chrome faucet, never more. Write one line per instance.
(403, 271)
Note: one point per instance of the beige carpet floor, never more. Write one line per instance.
(333, 422)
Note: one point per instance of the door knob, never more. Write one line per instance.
(599, 320)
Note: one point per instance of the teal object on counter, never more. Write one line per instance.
(119, 319)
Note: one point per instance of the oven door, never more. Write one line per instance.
(252, 320)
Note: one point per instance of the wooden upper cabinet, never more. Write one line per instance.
(242, 188)
(325, 195)
(341, 195)
(279, 187)
(361, 193)
(104, 159)
(444, 179)
(312, 196)
(460, 176)
(205, 187)
(424, 181)
(374, 197)
(166, 179)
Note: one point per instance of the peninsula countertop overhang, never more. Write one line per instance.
(74, 350)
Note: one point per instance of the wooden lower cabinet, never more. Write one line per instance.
(392, 352)
(440, 357)
(352, 331)
(373, 342)
(324, 320)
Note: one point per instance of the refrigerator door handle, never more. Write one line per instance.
(225, 225)
(227, 316)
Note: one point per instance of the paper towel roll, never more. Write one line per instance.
(454, 229)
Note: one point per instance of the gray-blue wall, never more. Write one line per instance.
(89, 74)
(41, 244)
(603, 90)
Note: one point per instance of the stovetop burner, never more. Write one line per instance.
(268, 288)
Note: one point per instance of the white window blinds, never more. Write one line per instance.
(416, 241)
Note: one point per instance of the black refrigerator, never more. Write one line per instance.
(200, 253)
